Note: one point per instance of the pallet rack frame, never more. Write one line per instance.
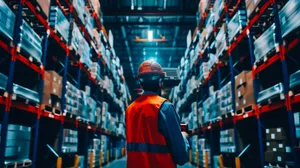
(279, 56)
(7, 99)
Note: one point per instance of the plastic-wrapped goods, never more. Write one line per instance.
(95, 5)
(226, 98)
(7, 22)
(82, 104)
(26, 93)
(3, 81)
(89, 23)
(295, 79)
(210, 25)
(70, 141)
(75, 37)
(30, 42)
(289, 17)
(251, 6)
(204, 70)
(218, 8)
(79, 8)
(276, 90)
(221, 41)
(91, 109)
(236, 24)
(18, 142)
(59, 22)
(265, 43)
(192, 84)
(84, 52)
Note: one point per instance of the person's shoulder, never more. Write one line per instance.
(166, 106)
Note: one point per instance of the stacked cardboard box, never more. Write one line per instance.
(89, 22)
(210, 25)
(251, 6)
(106, 84)
(192, 84)
(194, 148)
(84, 53)
(226, 98)
(244, 90)
(221, 41)
(227, 141)
(52, 90)
(95, 71)
(75, 37)
(18, 143)
(278, 149)
(70, 141)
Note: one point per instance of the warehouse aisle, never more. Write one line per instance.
(122, 164)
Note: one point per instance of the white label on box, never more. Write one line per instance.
(54, 90)
(267, 131)
(244, 101)
(268, 143)
(278, 129)
(280, 145)
(57, 104)
(59, 82)
(54, 78)
(279, 159)
(272, 136)
(49, 101)
(237, 104)
(241, 81)
(239, 94)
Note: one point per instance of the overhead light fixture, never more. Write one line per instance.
(144, 52)
(155, 52)
(150, 35)
(152, 59)
(139, 8)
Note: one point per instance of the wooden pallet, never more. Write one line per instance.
(247, 109)
(18, 164)
(266, 57)
(28, 56)
(272, 100)
(53, 110)
(24, 100)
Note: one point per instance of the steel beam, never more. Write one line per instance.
(150, 12)
(155, 24)
(123, 30)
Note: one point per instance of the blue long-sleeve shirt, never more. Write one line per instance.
(169, 127)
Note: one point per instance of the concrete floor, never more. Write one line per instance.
(121, 163)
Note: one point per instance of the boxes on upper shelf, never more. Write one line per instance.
(59, 22)
(7, 20)
(236, 24)
(244, 90)
(75, 37)
(270, 93)
(218, 9)
(251, 6)
(265, 43)
(70, 141)
(45, 5)
(89, 22)
(209, 25)
(221, 41)
(79, 6)
(289, 17)
(30, 42)
(84, 53)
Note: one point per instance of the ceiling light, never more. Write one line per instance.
(152, 59)
(139, 8)
(150, 35)
(144, 52)
(155, 52)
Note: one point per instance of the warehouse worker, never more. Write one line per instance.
(154, 139)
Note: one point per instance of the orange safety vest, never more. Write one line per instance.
(146, 146)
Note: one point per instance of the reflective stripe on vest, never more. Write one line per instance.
(146, 147)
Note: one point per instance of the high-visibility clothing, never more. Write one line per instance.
(146, 146)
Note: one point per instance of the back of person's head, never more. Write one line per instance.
(151, 76)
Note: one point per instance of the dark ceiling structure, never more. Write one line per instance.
(128, 19)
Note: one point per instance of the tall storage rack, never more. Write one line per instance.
(238, 56)
(24, 113)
